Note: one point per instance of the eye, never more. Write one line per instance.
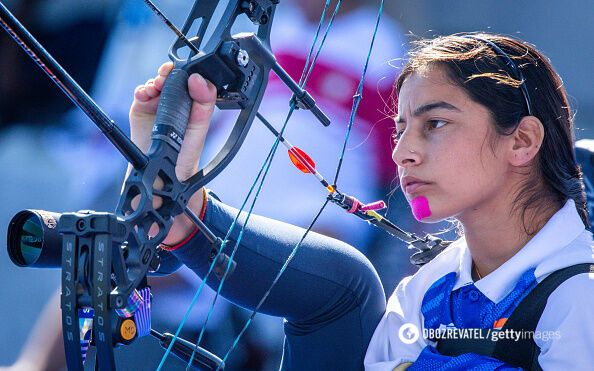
(397, 135)
(436, 124)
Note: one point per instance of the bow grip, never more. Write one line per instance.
(173, 111)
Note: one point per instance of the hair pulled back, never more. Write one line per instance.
(474, 66)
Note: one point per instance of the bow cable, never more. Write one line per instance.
(359, 95)
(266, 165)
(264, 170)
(296, 248)
(304, 75)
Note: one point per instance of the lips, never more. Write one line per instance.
(411, 184)
(412, 187)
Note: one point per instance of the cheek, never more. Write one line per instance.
(468, 173)
(463, 177)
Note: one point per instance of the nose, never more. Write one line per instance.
(406, 153)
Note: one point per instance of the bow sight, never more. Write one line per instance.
(105, 257)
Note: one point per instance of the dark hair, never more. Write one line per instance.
(476, 67)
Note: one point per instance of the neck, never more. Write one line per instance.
(495, 232)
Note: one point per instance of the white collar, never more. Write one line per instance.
(563, 227)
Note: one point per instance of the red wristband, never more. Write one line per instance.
(192, 234)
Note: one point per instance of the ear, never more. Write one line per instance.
(526, 141)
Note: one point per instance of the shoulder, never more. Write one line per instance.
(564, 332)
(573, 296)
(574, 292)
(408, 295)
(398, 338)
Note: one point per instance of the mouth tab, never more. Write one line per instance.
(420, 208)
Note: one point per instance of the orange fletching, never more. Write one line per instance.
(301, 160)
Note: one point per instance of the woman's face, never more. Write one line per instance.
(447, 164)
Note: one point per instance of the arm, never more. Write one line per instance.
(319, 267)
(564, 332)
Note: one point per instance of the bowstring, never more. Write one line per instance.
(313, 45)
(359, 94)
(210, 269)
(330, 22)
(265, 167)
(356, 101)
(276, 279)
(302, 84)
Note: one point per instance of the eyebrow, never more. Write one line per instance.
(429, 107)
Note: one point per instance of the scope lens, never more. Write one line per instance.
(31, 239)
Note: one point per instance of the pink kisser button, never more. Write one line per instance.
(420, 207)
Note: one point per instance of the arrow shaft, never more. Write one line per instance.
(294, 152)
(176, 30)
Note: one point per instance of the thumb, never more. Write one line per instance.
(203, 94)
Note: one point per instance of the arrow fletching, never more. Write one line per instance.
(301, 160)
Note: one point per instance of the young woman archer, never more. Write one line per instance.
(484, 135)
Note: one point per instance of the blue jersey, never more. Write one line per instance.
(442, 298)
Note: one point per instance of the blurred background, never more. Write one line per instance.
(55, 159)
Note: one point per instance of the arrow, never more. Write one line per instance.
(298, 157)
(176, 30)
(367, 212)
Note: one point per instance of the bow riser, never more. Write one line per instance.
(240, 85)
(89, 243)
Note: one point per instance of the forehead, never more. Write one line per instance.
(427, 86)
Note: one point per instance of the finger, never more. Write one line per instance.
(201, 91)
(163, 72)
(140, 94)
(151, 90)
(165, 69)
(203, 94)
(159, 82)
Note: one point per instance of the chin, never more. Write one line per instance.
(425, 210)
(433, 219)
